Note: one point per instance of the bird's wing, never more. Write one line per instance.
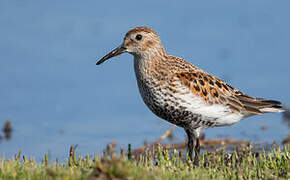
(214, 91)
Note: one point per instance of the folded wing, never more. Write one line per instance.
(214, 91)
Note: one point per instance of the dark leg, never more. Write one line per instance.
(189, 143)
(196, 151)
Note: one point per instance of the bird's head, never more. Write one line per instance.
(140, 41)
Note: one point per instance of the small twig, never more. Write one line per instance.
(164, 136)
(215, 142)
(167, 133)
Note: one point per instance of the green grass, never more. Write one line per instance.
(242, 163)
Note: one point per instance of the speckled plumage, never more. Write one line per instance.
(183, 94)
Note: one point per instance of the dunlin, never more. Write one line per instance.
(181, 93)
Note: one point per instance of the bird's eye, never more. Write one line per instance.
(138, 37)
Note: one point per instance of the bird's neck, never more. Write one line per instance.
(141, 66)
(150, 67)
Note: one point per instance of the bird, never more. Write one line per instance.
(183, 94)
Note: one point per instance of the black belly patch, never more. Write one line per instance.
(180, 116)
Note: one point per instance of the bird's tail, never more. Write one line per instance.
(261, 105)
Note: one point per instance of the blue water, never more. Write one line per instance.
(55, 96)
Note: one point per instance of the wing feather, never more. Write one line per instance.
(215, 91)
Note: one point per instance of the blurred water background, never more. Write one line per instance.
(55, 96)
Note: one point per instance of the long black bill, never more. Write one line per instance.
(119, 50)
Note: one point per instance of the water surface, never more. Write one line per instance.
(55, 96)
